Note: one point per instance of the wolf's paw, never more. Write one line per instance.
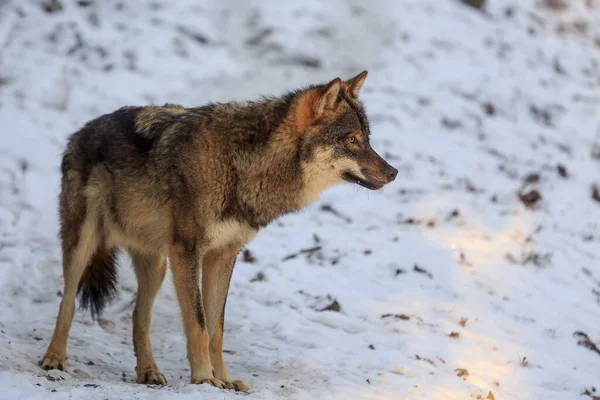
(151, 376)
(238, 386)
(213, 381)
(52, 361)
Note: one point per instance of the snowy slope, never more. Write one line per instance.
(444, 273)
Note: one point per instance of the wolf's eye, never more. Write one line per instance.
(351, 139)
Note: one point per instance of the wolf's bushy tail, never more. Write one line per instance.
(98, 284)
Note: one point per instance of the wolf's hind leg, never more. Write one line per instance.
(150, 272)
(78, 251)
(217, 268)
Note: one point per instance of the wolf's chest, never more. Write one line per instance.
(229, 233)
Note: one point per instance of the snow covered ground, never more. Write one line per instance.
(450, 285)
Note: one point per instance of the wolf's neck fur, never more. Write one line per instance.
(267, 162)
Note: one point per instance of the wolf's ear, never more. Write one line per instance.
(313, 103)
(328, 97)
(352, 86)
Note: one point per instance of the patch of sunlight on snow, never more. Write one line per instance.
(483, 243)
(484, 240)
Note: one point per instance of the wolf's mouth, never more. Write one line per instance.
(350, 177)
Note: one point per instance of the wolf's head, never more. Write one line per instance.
(334, 138)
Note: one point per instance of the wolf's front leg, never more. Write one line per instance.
(217, 268)
(187, 274)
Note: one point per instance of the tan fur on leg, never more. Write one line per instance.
(186, 276)
(75, 260)
(150, 272)
(217, 268)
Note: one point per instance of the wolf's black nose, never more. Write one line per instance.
(391, 173)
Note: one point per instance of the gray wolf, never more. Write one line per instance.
(194, 185)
